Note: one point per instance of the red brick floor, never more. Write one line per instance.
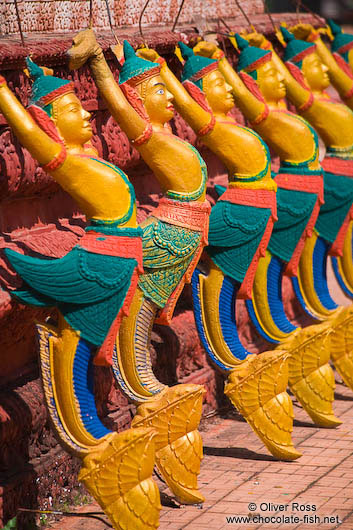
(237, 470)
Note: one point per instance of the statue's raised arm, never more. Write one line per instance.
(85, 48)
(39, 144)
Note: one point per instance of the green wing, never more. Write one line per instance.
(234, 236)
(338, 194)
(294, 209)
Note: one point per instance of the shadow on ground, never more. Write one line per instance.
(237, 452)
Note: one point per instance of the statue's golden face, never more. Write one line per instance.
(218, 92)
(72, 120)
(271, 82)
(315, 72)
(157, 100)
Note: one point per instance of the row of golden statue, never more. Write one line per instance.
(120, 278)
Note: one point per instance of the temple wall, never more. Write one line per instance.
(68, 15)
(37, 217)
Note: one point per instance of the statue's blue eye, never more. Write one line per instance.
(160, 91)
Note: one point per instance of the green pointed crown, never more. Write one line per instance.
(343, 42)
(46, 88)
(135, 69)
(250, 57)
(196, 66)
(296, 49)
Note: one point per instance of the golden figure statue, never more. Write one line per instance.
(339, 167)
(341, 77)
(299, 194)
(92, 287)
(256, 385)
(306, 80)
(173, 238)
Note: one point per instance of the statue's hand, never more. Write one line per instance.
(206, 49)
(46, 71)
(118, 51)
(302, 31)
(84, 46)
(148, 53)
(255, 39)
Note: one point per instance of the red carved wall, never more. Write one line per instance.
(73, 15)
(37, 217)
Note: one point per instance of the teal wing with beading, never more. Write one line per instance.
(234, 235)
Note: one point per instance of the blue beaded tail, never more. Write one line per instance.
(227, 316)
(320, 274)
(83, 381)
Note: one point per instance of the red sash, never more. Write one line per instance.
(113, 245)
(193, 215)
(336, 249)
(338, 166)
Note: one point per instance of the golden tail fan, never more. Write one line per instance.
(175, 415)
(118, 475)
(258, 390)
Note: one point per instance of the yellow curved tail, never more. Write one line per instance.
(306, 278)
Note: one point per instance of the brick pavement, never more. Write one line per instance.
(237, 470)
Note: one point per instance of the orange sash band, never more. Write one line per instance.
(193, 215)
(249, 197)
(112, 245)
(338, 166)
(307, 183)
